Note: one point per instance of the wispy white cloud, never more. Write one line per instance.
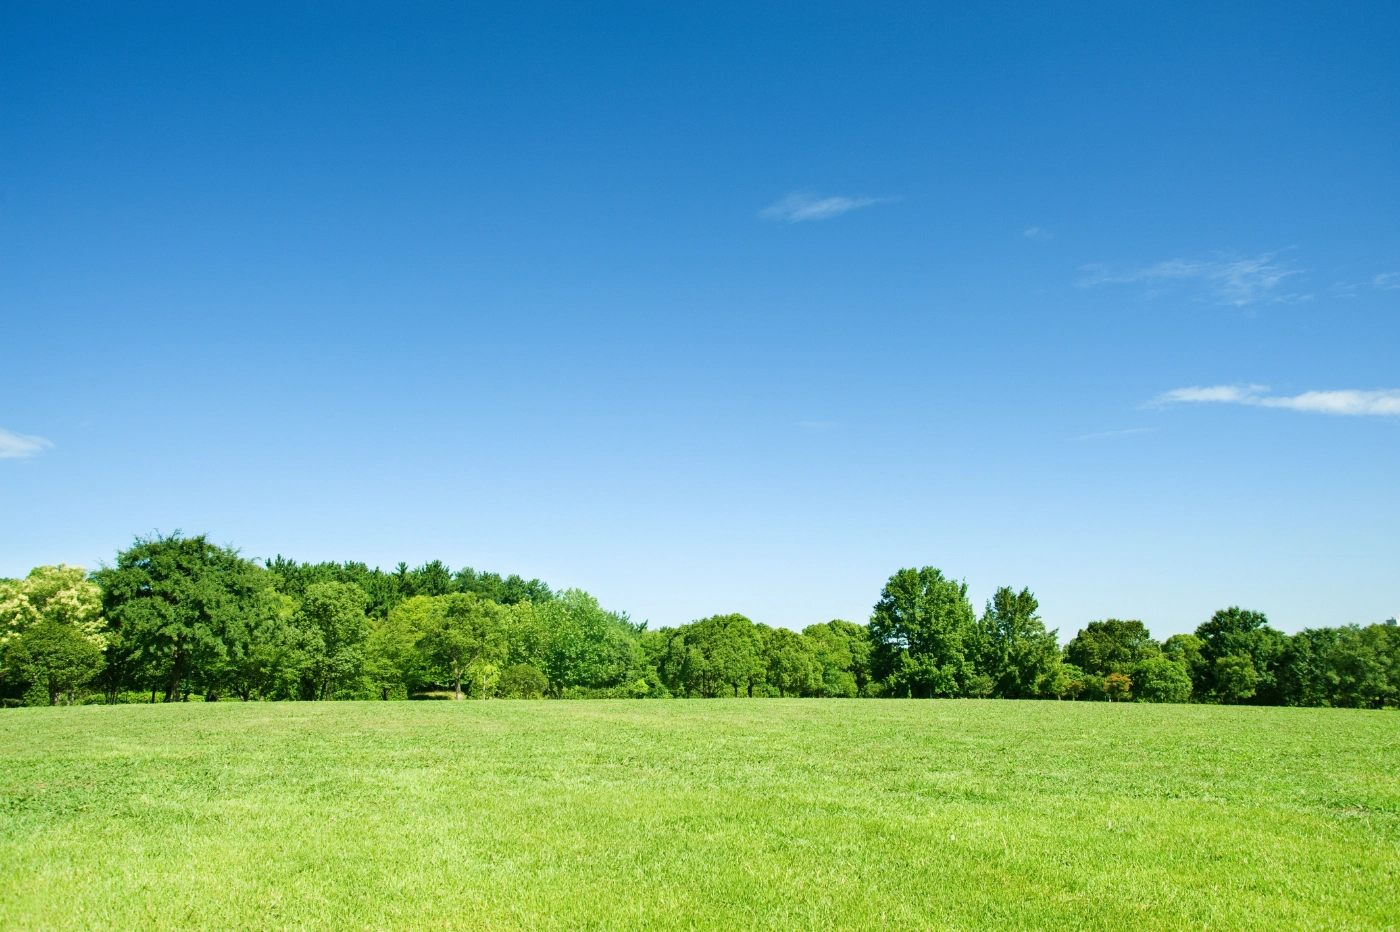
(1226, 280)
(1389, 281)
(1354, 402)
(797, 207)
(1104, 435)
(1035, 233)
(20, 446)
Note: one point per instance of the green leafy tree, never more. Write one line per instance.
(1306, 675)
(171, 603)
(264, 649)
(1020, 658)
(466, 639)
(56, 659)
(1071, 682)
(394, 662)
(792, 664)
(577, 643)
(717, 656)
(843, 649)
(333, 626)
(1234, 678)
(61, 595)
(1161, 679)
(1363, 661)
(1111, 646)
(1185, 649)
(922, 628)
(1237, 632)
(1118, 687)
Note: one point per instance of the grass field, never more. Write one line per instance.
(770, 814)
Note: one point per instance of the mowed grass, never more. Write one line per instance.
(765, 814)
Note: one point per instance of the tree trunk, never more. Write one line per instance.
(174, 684)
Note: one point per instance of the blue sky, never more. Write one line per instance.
(733, 308)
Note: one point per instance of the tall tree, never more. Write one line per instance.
(793, 667)
(717, 656)
(266, 654)
(334, 627)
(1019, 655)
(1305, 674)
(1365, 665)
(468, 636)
(170, 602)
(1238, 632)
(394, 661)
(843, 649)
(1111, 646)
(923, 627)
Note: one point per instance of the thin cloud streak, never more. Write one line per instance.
(1348, 402)
(20, 446)
(798, 207)
(1228, 280)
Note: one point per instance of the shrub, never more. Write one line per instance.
(1160, 679)
(522, 681)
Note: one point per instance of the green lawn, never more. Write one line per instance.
(769, 814)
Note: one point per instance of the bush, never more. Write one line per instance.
(522, 681)
(1160, 679)
(1235, 678)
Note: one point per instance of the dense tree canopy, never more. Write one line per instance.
(925, 634)
(179, 618)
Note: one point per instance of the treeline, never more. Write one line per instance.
(178, 618)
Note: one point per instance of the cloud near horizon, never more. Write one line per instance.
(1351, 402)
(798, 207)
(1227, 280)
(20, 446)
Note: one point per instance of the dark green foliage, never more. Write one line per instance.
(1239, 633)
(55, 660)
(1110, 646)
(1019, 658)
(1234, 678)
(925, 634)
(385, 590)
(177, 607)
(465, 640)
(576, 643)
(1305, 674)
(1366, 665)
(794, 668)
(522, 681)
(719, 656)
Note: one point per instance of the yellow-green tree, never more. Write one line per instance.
(51, 631)
(467, 638)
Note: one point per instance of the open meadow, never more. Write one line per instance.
(725, 814)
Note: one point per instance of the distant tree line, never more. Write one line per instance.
(178, 618)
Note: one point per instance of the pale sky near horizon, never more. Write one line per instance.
(734, 308)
